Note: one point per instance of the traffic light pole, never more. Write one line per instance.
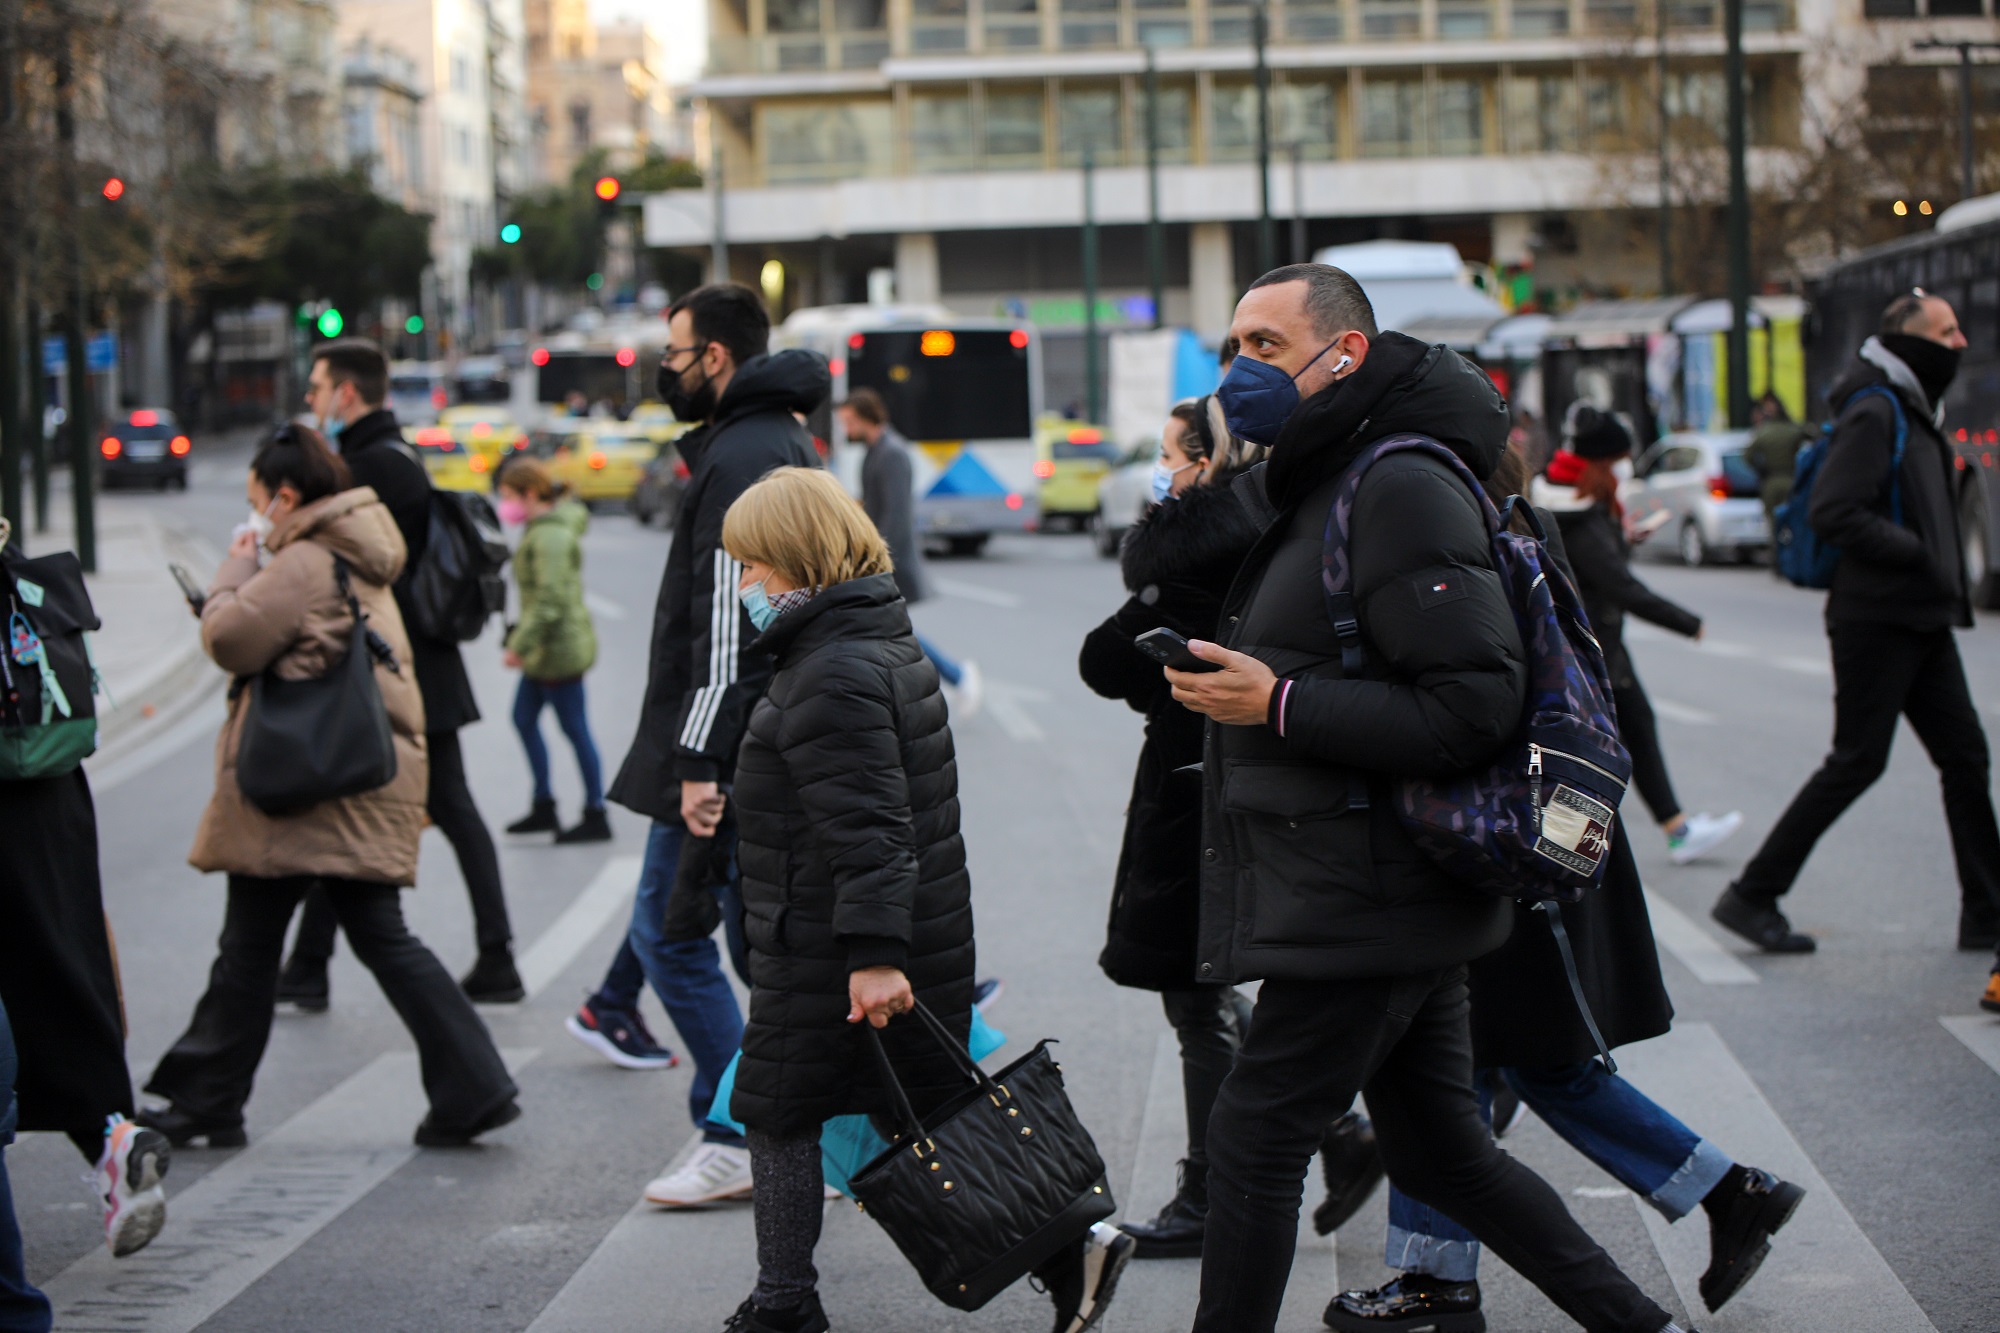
(1739, 222)
(13, 418)
(1092, 393)
(1156, 259)
(82, 467)
(1267, 240)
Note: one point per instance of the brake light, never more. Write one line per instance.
(145, 417)
(854, 341)
(1086, 435)
(180, 446)
(1014, 501)
(436, 437)
(1718, 486)
(937, 342)
(597, 460)
(521, 443)
(478, 463)
(111, 448)
(836, 367)
(438, 398)
(540, 356)
(1044, 468)
(626, 356)
(1018, 338)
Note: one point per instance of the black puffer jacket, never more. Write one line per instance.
(847, 808)
(1178, 563)
(1910, 573)
(1296, 882)
(702, 676)
(1602, 565)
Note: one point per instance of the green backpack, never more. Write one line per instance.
(48, 680)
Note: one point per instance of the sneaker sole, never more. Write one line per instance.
(1111, 1267)
(721, 1196)
(135, 1220)
(1784, 1201)
(605, 1047)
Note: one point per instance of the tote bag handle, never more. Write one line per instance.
(906, 1113)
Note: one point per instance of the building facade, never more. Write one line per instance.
(284, 102)
(598, 88)
(382, 106)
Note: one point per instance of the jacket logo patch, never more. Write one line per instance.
(1437, 591)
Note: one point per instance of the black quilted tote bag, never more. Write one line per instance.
(993, 1182)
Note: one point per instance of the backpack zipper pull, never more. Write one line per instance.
(1535, 784)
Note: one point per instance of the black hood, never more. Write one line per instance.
(1403, 387)
(793, 380)
(1862, 373)
(864, 608)
(1199, 538)
(372, 429)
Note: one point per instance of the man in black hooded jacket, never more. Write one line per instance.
(1898, 593)
(1308, 880)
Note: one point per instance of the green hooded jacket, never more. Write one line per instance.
(554, 636)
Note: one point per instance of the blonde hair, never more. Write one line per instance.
(800, 521)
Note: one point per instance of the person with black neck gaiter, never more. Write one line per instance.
(1884, 498)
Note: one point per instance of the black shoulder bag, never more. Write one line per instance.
(307, 741)
(1001, 1177)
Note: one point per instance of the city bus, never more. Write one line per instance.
(614, 364)
(965, 391)
(1960, 261)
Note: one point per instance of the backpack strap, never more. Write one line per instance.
(1551, 909)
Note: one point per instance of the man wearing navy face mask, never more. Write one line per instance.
(1309, 882)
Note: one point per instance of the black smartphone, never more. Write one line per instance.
(1170, 649)
(189, 588)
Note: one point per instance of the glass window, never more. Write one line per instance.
(1612, 15)
(791, 15)
(1089, 119)
(809, 141)
(860, 15)
(1087, 23)
(941, 129)
(1459, 124)
(1540, 18)
(1175, 122)
(1391, 20)
(1013, 23)
(928, 34)
(802, 53)
(1228, 25)
(1541, 113)
(863, 52)
(1306, 114)
(1603, 109)
(1692, 14)
(1766, 15)
(1464, 20)
(1161, 30)
(1889, 9)
(1701, 95)
(1392, 117)
(1014, 125)
(1232, 121)
(1313, 21)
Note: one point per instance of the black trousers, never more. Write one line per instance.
(1405, 1042)
(449, 802)
(209, 1071)
(1881, 672)
(1206, 1021)
(1640, 731)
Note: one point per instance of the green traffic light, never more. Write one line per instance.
(594, 281)
(510, 233)
(330, 323)
(414, 324)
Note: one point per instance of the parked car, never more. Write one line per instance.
(452, 466)
(1708, 492)
(1071, 457)
(147, 448)
(598, 458)
(1123, 497)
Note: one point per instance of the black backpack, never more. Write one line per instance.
(48, 712)
(457, 584)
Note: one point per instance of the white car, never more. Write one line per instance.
(1123, 496)
(1707, 492)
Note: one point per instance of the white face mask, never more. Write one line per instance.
(260, 521)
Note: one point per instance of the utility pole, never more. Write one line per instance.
(1093, 396)
(1666, 195)
(1968, 173)
(1739, 222)
(1267, 240)
(33, 407)
(13, 420)
(719, 250)
(1299, 255)
(82, 467)
(1156, 257)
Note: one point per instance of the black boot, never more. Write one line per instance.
(493, 978)
(595, 826)
(1410, 1302)
(541, 818)
(1176, 1231)
(805, 1317)
(1744, 1210)
(184, 1127)
(303, 984)
(1759, 922)
(1352, 1165)
(433, 1133)
(1978, 925)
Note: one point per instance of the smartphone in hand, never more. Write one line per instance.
(1170, 649)
(191, 590)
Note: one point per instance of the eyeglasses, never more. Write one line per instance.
(672, 351)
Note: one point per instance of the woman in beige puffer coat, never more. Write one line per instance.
(290, 616)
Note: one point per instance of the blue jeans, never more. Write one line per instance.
(1601, 1116)
(948, 670)
(687, 974)
(22, 1308)
(566, 697)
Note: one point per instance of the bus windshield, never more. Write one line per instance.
(596, 375)
(946, 384)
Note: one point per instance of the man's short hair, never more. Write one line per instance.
(1334, 300)
(359, 362)
(1900, 313)
(728, 313)
(868, 405)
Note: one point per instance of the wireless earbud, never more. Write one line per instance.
(1345, 362)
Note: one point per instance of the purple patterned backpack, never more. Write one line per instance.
(1535, 825)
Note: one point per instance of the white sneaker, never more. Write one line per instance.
(1702, 832)
(127, 1184)
(715, 1172)
(970, 690)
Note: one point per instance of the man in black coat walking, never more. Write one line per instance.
(348, 391)
(1898, 593)
(1308, 880)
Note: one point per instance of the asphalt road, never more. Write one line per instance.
(1846, 1069)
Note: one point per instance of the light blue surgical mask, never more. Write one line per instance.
(1258, 398)
(1163, 480)
(757, 605)
(331, 427)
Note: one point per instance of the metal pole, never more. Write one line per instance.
(1267, 240)
(1156, 258)
(1092, 391)
(1739, 224)
(1299, 255)
(13, 421)
(1666, 196)
(33, 406)
(1965, 173)
(82, 467)
(719, 250)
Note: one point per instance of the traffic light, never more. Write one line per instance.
(330, 323)
(510, 234)
(607, 189)
(414, 324)
(114, 189)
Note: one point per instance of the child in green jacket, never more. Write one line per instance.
(553, 644)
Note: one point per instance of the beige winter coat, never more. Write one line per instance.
(291, 614)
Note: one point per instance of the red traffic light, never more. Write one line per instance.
(607, 188)
(626, 356)
(114, 189)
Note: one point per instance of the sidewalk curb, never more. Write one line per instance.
(181, 682)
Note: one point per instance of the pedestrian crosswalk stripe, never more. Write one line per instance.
(245, 1217)
(1694, 948)
(1823, 1272)
(607, 895)
(1680, 712)
(1980, 1033)
(976, 592)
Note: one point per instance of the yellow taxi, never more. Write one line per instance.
(452, 466)
(484, 428)
(657, 423)
(599, 460)
(1071, 458)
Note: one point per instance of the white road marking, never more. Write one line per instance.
(603, 607)
(975, 592)
(241, 1220)
(1694, 948)
(1823, 1271)
(1005, 703)
(1601, 1192)
(204, 720)
(1980, 1033)
(1680, 712)
(592, 910)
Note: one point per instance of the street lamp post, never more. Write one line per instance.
(1666, 196)
(1267, 241)
(1299, 255)
(1092, 394)
(1739, 223)
(82, 467)
(14, 435)
(1156, 259)
(719, 247)
(1968, 182)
